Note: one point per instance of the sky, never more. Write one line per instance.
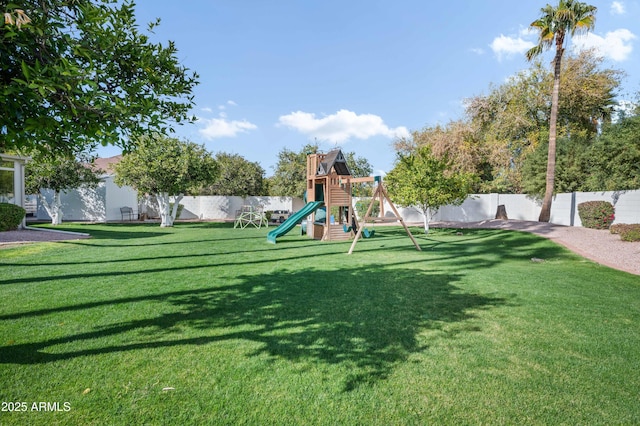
(356, 74)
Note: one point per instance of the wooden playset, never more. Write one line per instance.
(329, 181)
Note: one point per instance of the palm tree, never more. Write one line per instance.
(568, 17)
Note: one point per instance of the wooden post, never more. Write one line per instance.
(395, 211)
(364, 221)
(382, 195)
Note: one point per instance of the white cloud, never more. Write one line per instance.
(206, 109)
(509, 46)
(477, 50)
(617, 8)
(615, 45)
(341, 126)
(232, 103)
(221, 127)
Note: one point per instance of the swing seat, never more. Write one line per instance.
(368, 233)
(346, 228)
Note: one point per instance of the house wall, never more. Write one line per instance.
(17, 197)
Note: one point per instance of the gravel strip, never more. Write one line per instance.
(32, 236)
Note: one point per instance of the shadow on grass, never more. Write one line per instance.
(368, 314)
(366, 319)
(143, 231)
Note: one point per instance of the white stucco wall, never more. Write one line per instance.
(214, 207)
(101, 204)
(564, 209)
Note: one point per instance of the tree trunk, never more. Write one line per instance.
(501, 213)
(54, 210)
(426, 216)
(545, 212)
(176, 205)
(168, 214)
(166, 220)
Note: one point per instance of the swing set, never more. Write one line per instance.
(380, 194)
(329, 189)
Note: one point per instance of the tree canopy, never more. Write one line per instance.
(422, 180)
(79, 73)
(237, 176)
(166, 167)
(506, 126)
(290, 178)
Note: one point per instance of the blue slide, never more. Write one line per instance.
(293, 220)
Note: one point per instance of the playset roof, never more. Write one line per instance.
(334, 160)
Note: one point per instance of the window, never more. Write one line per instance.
(6, 182)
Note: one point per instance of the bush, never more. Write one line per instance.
(179, 212)
(627, 232)
(632, 233)
(617, 228)
(10, 216)
(363, 205)
(596, 214)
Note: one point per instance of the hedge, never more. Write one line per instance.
(10, 216)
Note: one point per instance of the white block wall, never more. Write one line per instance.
(103, 204)
(214, 207)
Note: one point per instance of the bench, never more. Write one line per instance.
(127, 212)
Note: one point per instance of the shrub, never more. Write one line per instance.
(10, 216)
(631, 233)
(363, 205)
(596, 214)
(627, 232)
(615, 229)
(179, 212)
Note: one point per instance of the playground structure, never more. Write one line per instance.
(329, 181)
(329, 209)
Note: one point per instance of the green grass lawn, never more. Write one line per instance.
(206, 324)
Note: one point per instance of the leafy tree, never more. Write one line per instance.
(422, 180)
(290, 177)
(568, 17)
(613, 161)
(508, 123)
(588, 94)
(237, 176)
(512, 121)
(78, 73)
(59, 173)
(456, 141)
(571, 171)
(359, 167)
(167, 168)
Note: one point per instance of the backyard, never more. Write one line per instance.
(206, 324)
